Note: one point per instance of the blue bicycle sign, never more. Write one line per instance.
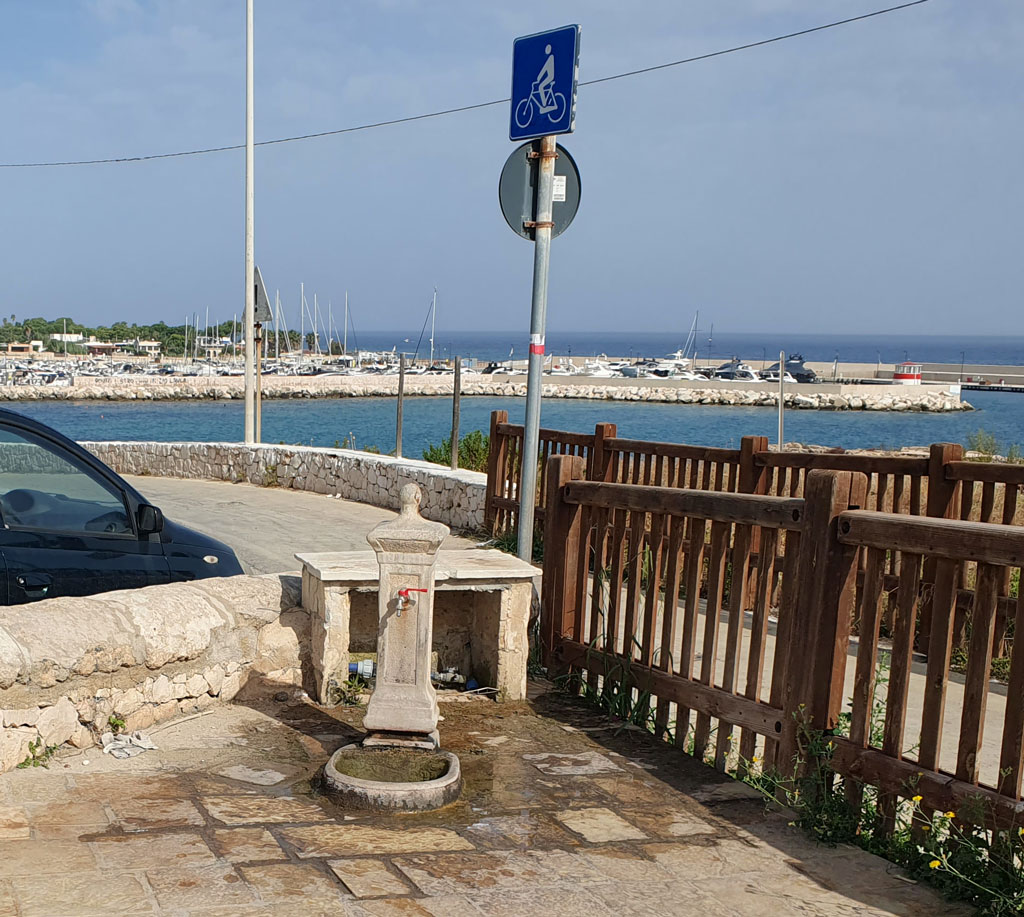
(544, 68)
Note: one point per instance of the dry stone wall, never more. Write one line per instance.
(70, 665)
(455, 498)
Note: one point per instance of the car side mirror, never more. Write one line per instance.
(150, 519)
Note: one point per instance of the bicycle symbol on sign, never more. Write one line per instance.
(543, 99)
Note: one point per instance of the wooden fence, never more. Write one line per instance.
(646, 590)
(941, 485)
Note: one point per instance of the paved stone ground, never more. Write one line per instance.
(268, 526)
(560, 815)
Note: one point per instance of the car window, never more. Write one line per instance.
(43, 487)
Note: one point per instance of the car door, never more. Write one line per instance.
(65, 528)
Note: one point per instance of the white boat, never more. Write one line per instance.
(735, 371)
(773, 376)
(598, 369)
(634, 371)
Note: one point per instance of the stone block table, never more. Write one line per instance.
(481, 615)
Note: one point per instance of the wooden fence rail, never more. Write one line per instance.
(941, 485)
(651, 596)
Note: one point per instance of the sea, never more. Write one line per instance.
(711, 345)
(371, 422)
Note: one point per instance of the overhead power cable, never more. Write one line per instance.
(462, 108)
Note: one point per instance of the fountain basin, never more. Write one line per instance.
(393, 778)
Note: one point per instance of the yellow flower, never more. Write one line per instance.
(1020, 832)
(934, 864)
(917, 799)
(950, 814)
(926, 827)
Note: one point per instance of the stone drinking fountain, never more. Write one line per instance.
(399, 765)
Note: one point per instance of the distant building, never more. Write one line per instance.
(100, 348)
(69, 338)
(210, 346)
(22, 347)
(149, 348)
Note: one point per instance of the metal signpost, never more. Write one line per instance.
(544, 73)
(782, 393)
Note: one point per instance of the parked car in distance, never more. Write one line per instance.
(69, 525)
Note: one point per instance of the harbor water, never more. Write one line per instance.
(371, 421)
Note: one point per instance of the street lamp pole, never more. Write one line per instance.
(250, 288)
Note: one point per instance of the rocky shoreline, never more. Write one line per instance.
(809, 397)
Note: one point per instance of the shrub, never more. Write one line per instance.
(473, 450)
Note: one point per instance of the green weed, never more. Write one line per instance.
(509, 543)
(39, 755)
(988, 449)
(346, 694)
(947, 849)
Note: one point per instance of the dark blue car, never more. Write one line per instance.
(70, 526)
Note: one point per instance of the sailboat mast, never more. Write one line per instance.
(316, 326)
(344, 346)
(433, 319)
(302, 319)
(277, 329)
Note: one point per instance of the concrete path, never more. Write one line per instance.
(267, 526)
(561, 814)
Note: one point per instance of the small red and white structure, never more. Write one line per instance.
(907, 373)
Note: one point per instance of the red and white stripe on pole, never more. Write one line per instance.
(537, 344)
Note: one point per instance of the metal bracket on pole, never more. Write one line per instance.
(536, 224)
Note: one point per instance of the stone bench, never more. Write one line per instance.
(481, 615)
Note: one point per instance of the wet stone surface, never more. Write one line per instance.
(560, 814)
(391, 765)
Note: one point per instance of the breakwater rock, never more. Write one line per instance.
(828, 397)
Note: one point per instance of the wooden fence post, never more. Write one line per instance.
(753, 480)
(941, 504)
(599, 468)
(753, 475)
(496, 460)
(563, 530)
(823, 611)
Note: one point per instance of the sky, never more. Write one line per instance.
(863, 179)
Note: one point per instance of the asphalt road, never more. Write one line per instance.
(267, 526)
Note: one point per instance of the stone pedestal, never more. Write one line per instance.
(481, 615)
(403, 705)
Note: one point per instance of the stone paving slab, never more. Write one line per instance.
(559, 815)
